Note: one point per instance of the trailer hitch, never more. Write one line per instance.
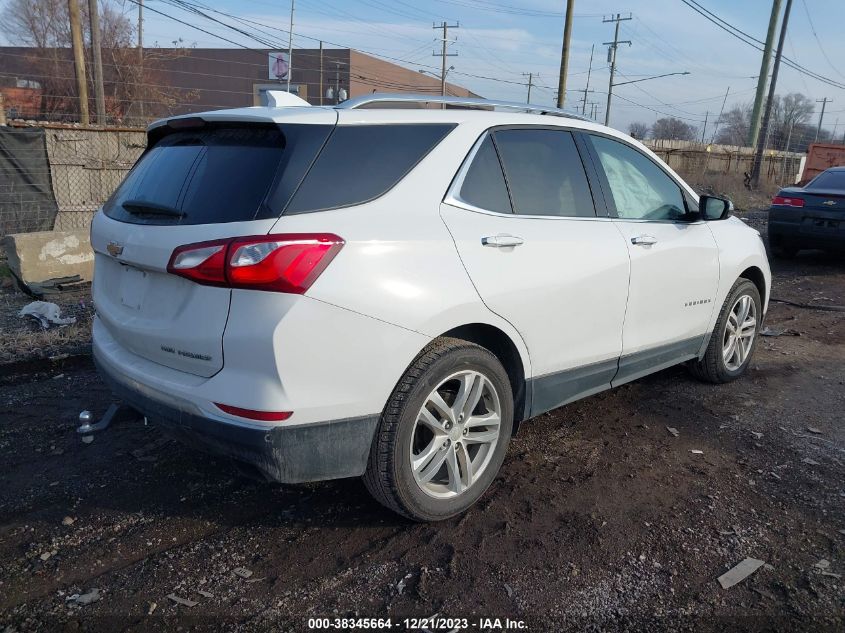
(115, 413)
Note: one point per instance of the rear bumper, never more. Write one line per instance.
(791, 228)
(293, 454)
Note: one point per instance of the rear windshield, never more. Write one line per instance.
(828, 180)
(218, 173)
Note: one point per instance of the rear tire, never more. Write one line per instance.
(444, 432)
(734, 338)
(782, 250)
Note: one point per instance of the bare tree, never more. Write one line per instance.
(734, 125)
(789, 122)
(638, 130)
(673, 129)
(790, 114)
(44, 26)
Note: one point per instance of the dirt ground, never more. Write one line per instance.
(601, 519)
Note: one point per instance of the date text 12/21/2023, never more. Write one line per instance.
(431, 624)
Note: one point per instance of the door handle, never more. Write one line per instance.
(644, 240)
(501, 241)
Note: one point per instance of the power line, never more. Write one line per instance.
(818, 41)
(757, 44)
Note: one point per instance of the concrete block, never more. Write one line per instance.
(37, 257)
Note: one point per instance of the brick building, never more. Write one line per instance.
(198, 79)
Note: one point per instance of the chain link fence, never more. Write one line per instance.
(83, 167)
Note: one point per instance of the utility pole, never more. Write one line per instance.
(78, 60)
(564, 53)
(443, 54)
(333, 94)
(764, 75)
(141, 93)
(290, 44)
(761, 139)
(321, 72)
(530, 81)
(587, 87)
(704, 129)
(611, 58)
(821, 116)
(97, 57)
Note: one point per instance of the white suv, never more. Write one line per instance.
(388, 292)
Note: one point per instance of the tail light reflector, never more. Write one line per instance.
(282, 263)
(781, 201)
(252, 414)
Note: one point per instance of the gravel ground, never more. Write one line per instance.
(601, 519)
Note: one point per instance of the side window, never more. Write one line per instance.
(484, 184)
(359, 163)
(640, 189)
(544, 173)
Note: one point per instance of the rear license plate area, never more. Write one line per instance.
(823, 226)
(132, 287)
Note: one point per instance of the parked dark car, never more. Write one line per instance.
(812, 216)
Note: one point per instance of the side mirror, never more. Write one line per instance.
(713, 208)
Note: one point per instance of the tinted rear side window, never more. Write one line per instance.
(484, 184)
(828, 180)
(362, 162)
(544, 173)
(216, 174)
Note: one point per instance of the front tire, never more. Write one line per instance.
(734, 338)
(444, 432)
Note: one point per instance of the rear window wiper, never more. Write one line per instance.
(143, 207)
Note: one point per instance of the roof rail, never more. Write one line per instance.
(467, 102)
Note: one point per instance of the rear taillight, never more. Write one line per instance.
(782, 201)
(252, 414)
(280, 263)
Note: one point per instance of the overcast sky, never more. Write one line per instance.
(502, 39)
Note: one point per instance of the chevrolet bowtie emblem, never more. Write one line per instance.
(114, 249)
(829, 203)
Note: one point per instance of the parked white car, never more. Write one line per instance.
(389, 292)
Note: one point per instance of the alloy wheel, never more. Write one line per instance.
(740, 329)
(455, 434)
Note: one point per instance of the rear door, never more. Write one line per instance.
(674, 259)
(203, 182)
(525, 225)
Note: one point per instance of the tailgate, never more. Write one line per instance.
(209, 181)
(158, 316)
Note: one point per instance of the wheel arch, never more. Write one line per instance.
(505, 349)
(756, 276)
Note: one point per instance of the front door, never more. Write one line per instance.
(524, 223)
(674, 260)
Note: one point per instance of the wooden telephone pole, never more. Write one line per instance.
(564, 53)
(767, 114)
(78, 60)
(443, 55)
(97, 58)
